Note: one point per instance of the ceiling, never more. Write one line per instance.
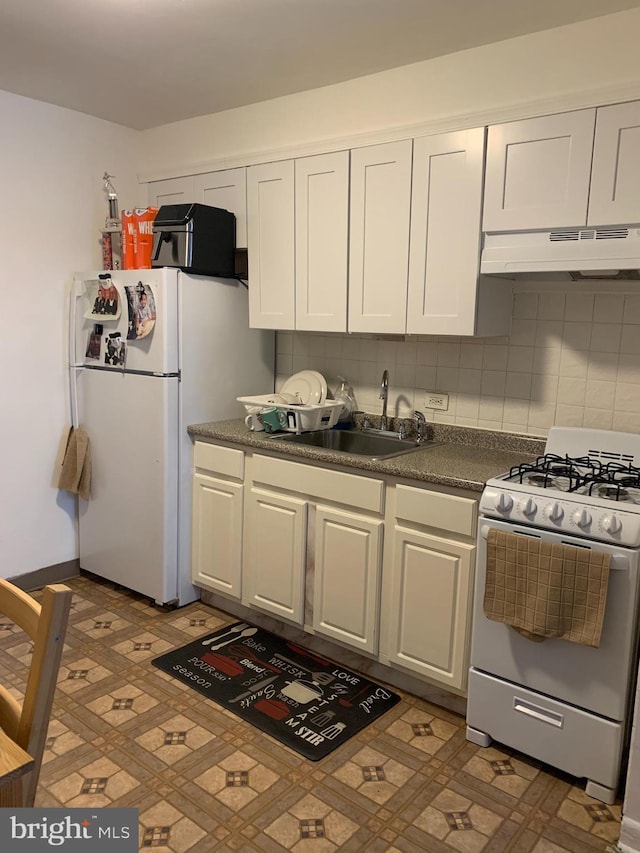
(143, 63)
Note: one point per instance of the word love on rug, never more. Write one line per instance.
(302, 700)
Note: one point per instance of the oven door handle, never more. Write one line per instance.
(619, 562)
(485, 528)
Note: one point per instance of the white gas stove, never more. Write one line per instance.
(561, 702)
(587, 484)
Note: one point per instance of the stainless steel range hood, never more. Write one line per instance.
(584, 253)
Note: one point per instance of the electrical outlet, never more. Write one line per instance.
(436, 400)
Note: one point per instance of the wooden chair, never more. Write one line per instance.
(26, 723)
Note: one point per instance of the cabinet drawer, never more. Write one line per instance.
(434, 509)
(222, 460)
(333, 486)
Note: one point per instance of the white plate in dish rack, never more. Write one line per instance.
(310, 386)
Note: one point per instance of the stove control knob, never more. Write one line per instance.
(555, 512)
(611, 524)
(529, 507)
(504, 502)
(582, 518)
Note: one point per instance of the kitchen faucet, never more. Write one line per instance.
(384, 393)
(384, 421)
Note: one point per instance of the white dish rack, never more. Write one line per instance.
(299, 417)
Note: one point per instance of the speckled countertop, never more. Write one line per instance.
(466, 458)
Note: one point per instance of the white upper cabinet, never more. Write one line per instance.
(171, 191)
(226, 189)
(321, 242)
(271, 245)
(615, 178)
(298, 221)
(446, 209)
(538, 171)
(379, 237)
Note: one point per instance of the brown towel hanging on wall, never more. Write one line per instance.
(542, 589)
(75, 474)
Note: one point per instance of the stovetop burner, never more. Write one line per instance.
(611, 493)
(542, 481)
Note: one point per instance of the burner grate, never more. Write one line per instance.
(612, 480)
(615, 482)
(560, 472)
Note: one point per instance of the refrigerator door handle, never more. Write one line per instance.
(73, 396)
(77, 288)
(129, 371)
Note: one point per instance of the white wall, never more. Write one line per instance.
(51, 210)
(525, 73)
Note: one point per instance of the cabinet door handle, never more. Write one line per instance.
(538, 713)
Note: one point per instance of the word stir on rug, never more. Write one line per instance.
(305, 701)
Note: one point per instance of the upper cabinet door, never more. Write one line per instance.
(446, 207)
(270, 242)
(538, 172)
(322, 233)
(615, 176)
(226, 189)
(379, 237)
(171, 191)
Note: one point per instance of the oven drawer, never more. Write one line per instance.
(560, 735)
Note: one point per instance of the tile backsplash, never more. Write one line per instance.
(572, 359)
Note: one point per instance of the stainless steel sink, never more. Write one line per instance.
(356, 442)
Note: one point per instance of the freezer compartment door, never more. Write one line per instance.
(128, 530)
(156, 351)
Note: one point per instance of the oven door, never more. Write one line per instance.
(597, 680)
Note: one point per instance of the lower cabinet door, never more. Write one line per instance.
(216, 561)
(430, 607)
(346, 587)
(275, 554)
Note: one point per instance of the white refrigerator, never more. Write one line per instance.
(141, 371)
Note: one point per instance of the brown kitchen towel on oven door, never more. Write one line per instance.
(542, 589)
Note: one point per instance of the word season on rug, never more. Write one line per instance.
(306, 702)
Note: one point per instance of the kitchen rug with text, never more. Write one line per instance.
(301, 699)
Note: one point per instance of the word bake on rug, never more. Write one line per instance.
(303, 700)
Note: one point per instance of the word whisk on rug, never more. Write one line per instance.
(305, 701)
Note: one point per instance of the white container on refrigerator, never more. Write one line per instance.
(135, 529)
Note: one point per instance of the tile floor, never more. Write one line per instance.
(125, 734)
